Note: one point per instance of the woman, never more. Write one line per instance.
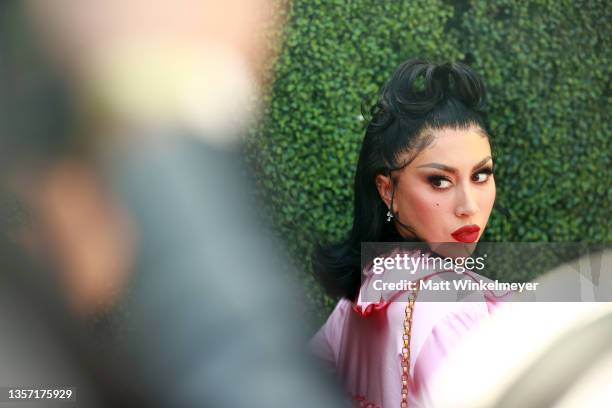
(425, 173)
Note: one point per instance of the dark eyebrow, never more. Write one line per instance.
(452, 169)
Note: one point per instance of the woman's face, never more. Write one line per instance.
(449, 185)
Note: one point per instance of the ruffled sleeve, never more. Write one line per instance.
(372, 299)
(324, 345)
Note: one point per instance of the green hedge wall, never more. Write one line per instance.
(546, 66)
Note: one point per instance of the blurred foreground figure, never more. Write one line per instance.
(142, 204)
(537, 354)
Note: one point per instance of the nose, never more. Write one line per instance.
(466, 202)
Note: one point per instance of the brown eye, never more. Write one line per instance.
(439, 182)
(482, 175)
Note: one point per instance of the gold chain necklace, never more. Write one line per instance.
(406, 347)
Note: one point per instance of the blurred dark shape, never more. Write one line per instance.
(206, 318)
(42, 345)
(211, 321)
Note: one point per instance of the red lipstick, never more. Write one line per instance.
(467, 233)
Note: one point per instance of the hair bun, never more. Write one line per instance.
(439, 81)
(468, 86)
(418, 88)
(455, 80)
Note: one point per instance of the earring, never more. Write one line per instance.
(389, 215)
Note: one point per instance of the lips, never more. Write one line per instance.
(467, 233)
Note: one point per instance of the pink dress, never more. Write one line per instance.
(363, 341)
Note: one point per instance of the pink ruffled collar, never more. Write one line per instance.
(370, 300)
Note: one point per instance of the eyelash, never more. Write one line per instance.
(433, 179)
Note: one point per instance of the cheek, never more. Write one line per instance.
(424, 206)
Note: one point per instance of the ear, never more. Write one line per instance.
(383, 185)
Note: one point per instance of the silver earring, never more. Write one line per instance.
(389, 215)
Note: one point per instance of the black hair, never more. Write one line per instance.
(420, 97)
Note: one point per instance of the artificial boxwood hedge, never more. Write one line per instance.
(546, 66)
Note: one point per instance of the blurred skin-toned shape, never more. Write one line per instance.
(79, 31)
(185, 61)
(90, 237)
(130, 65)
